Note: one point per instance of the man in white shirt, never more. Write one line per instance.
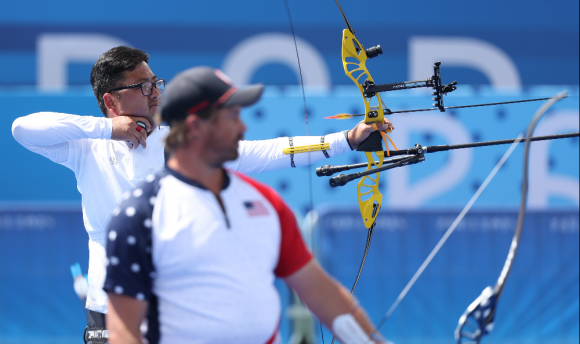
(196, 248)
(110, 156)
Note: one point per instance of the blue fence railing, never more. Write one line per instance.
(540, 303)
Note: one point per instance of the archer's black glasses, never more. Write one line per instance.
(146, 87)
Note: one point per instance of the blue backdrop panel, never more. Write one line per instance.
(541, 38)
(37, 300)
(39, 179)
(174, 48)
(540, 303)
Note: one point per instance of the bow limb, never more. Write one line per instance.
(478, 319)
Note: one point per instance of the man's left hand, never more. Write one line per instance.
(362, 130)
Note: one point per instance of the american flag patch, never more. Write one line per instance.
(255, 208)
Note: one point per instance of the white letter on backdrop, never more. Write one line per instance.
(55, 51)
(543, 184)
(250, 54)
(472, 53)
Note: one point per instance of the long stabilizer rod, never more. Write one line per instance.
(329, 170)
(442, 148)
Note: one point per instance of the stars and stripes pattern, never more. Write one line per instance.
(256, 208)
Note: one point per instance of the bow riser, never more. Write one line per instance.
(369, 196)
(354, 60)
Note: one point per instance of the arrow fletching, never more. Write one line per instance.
(343, 116)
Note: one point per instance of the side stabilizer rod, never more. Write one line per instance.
(343, 179)
(416, 157)
(329, 170)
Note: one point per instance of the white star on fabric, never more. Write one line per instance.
(137, 193)
(150, 178)
(114, 261)
(116, 211)
(147, 223)
(152, 200)
(135, 267)
(140, 296)
(130, 211)
(126, 194)
(131, 240)
(118, 290)
(153, 274)
(112, 235)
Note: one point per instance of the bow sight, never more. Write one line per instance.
(370, 89)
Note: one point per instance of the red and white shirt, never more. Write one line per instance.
(209, 271)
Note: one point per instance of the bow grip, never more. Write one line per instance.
(373, 143)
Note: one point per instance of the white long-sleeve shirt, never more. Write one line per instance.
(107, 171)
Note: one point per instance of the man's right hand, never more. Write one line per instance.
(125, 128)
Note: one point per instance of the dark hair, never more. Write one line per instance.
(107, 72)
